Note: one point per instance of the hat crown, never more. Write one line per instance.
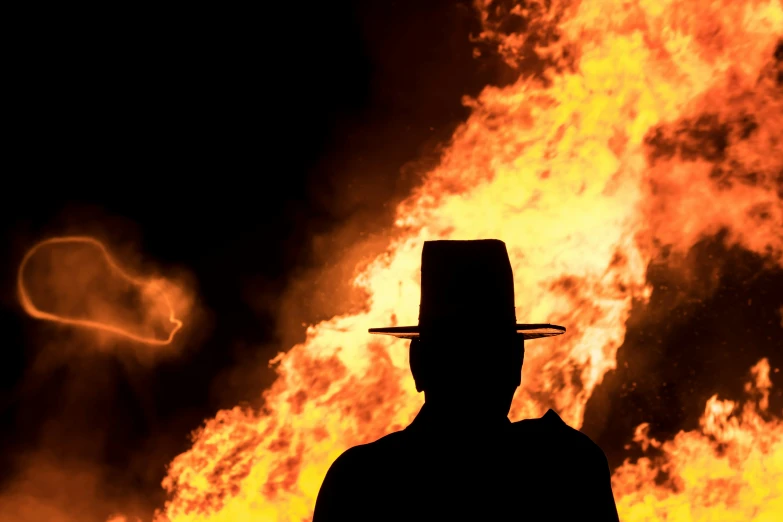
(466, 281)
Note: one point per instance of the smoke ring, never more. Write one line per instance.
(34, 311)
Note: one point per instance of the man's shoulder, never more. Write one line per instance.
(551, 430)
(367, 455)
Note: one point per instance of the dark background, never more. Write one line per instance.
(240, 147)
(231, 144)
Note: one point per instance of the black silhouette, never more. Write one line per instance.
(461, 458)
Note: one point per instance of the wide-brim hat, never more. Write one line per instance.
(467, 285)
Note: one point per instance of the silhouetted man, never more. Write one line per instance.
(461, 458)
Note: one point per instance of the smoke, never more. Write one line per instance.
(101, 318)
(74, 281)
(48, 488)
(81, 428)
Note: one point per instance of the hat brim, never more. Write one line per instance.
(527, 331)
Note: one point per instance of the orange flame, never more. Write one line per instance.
(655, 123)
(153, 288)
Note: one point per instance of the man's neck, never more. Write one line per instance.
(469, 418)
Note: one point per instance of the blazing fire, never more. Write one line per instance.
(653, 124)
(80, 284)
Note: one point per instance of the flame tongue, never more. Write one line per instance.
(583, 178)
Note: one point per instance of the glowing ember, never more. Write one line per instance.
(77, 266)
(657, 124)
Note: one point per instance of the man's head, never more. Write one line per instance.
(475, 371)
(467, 349)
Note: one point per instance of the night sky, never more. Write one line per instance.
(247, 148)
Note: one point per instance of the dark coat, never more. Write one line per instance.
(537, 469)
